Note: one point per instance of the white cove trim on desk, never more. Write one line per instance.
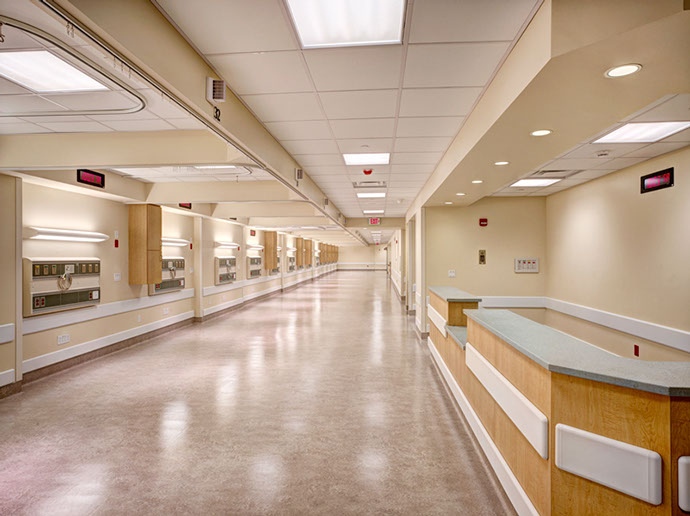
(48, 322)
(32, 364)
(666, 335)
(6, 333)
(521, 502)
(533, 424)
(621, 466)
(437, 319)
(6, 377)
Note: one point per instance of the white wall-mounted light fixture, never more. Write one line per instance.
(345, 23)
(376, 158)
(174, 242)
(255, 247)
(643, 132)
(42, 71)
(291, 249)
(63, 235)
(227, 245)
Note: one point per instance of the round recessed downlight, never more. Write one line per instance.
(541, 132)
(447, 202)
(477, 181)
(502, 163)
(460, 193)
(623, 70)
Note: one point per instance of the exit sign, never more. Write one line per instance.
(374, 222)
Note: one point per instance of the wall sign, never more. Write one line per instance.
(374, 222)
(483, 222)
(185, 205)
(656, 181)
(91, 178)
(252, 232)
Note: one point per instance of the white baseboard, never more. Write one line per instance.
(32, 364)
(6, 333)
(665, 335)
(516, 494)
(222, 306)
(6, 377)
(50, 321)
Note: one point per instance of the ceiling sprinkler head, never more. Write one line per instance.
(603, 153)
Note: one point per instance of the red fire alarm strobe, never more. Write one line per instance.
(483, 222)
(368, 172)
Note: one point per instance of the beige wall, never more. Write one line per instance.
(7, 266)
(516, 228)
(617, 250)
(371, 255)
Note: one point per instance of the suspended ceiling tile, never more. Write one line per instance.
(401, 158)
(16, 39)
(196, 179)
(618, 163)
(94, 100)
(428, 126)
(56, 118)
(285, 107)
(76, 127)
(161, 106)
(682, 136)
(263, 72)
(304, 130)
(436, 144)
(656, 149)
(14, 120)
(232, 25)
(139, 125)
(675, 109)
(592, 174)
(355, 68)
(575, 164)
(365, 145)
(438, 101)
(144, 114)
(376, 169)
(186, 123)
(452, 64)
(412, 169)
(327, 171)
(27, 104)
(10, 88)
(22, 128)
(451, 20)
(310, 160)
(614, 150)
(310, 146)
(363, 128)
(360, 104)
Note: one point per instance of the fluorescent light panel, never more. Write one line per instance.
(643, 132)
(371, 195)
(43, 72)
(376, 158)
(345, 23)
(534, 182)
(372, 211)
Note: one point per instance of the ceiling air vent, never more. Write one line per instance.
(215, 90)
(325, 201)
(369, 184)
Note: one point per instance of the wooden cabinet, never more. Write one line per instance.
(308, 253)
(145, 254)
(271, 250)
(299, 244)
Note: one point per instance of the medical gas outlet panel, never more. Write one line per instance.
(277, 269)
(173, 276)
(254, 266)
(226, 269)
(292, 263)
(55, 284)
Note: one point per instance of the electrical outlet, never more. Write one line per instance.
(166, 310)
(117, 235)
(451, 273)
(117, 276)
(138, 317)
(191, 270)
(63, 339)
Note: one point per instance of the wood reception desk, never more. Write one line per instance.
(569, 428)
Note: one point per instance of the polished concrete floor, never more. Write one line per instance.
(317, 401)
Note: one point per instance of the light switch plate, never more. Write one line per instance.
(63, 339)
(451, 273)
(166, 310)
(117, 276)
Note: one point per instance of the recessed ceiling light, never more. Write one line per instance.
(502, 163)
(623, 70)
(460, 193)
(344, 23)
(377, 158)
(372, 211)
(371, 195)
(477, 181)
(42, 71)
(448, 202)
(534, 182)
(541, 132)
(643, 132)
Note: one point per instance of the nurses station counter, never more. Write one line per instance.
(568, 427)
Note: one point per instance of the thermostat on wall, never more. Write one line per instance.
(526, 264)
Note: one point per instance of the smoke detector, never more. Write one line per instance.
(215, 90)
